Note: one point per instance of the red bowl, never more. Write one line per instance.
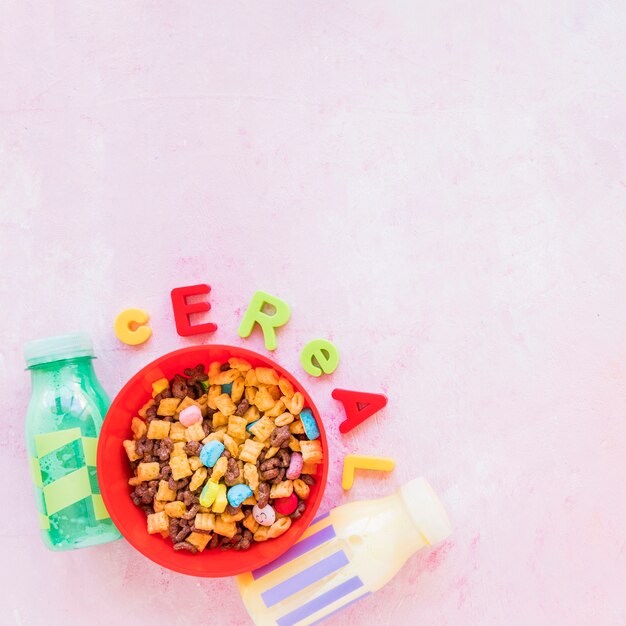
(114, 471)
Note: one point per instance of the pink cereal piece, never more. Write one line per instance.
(295, 466)
(190, 416)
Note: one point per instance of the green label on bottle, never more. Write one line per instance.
(65, 470)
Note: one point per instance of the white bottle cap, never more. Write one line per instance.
(426, 510)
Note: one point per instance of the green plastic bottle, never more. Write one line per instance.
(63, 422)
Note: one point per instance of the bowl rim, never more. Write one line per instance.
(123, 526)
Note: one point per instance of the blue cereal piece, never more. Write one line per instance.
(237, 494)
(211, 452)
(227, 388)
(250, 425)
(310, 425)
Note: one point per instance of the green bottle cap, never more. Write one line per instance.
(58, 348)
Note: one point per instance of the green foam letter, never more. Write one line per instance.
(319, 357)
(255, 314)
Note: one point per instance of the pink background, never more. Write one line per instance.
(439, 188)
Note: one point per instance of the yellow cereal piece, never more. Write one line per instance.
(226, 517)
(144, 408)
(250, 523)
(271, 452)
(251, 450)
(179, 447)
(214, 370)
(239, 364)
(250, 395)
(158, 505)
(276, 410)
(309, 468)
(168, 406)
(158, 522)
(205, 521)
(266, 376)
(296, 427)
(263, 428)
(134, 481)
(249, 501)
(214, 391)
(251, 379)
(198, 478)
(237, 427)
(357, 461)
(225, 404)
(219, 419)
(195, 463)
(177, 432)
(195, 432)
(294, 444)
(262, 533)
(139, 428)
(219, 469)
(282, 490)
(311, 451)
(180, 466)
(158, 429)
(263, 400)
(223, 378)
(251, 415)
(286, 387)
(279, 527)
(221, 501)
(164, 492)
(214, 436)
(274, 391)
(199, 540)
(130, 447)
(159, 385)
(301, 488)
(237, 391)
(231, 445)
(226, 529)
(175, 509)
(251, 475)
(208, 495)
(148, 471)
(284, 418)
(295, 404)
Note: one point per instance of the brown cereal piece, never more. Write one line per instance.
(237, 427)
(300, 509)
(158, 523)
(301, 488)
(234, 473)
(262, 533)
(294, 444)
(263, 428)
(193, 448)
(252, 414)
(282, 490)
(250, 523)
(237, 391)
(175, 509)
(283, 419)
(139, 428)
(225, 405)
(242, 407)
(168, 406)
(251, 475)
(239, 364)
(148, 471)
(286, 387)
(223, 378)
(158, 429)
(251, 379)
(177, 432)
(130, 445)
(280, 437)
(185, 545)
(296, 427)
(263, 400)
(165, 493)
(219, 469)
(234, 517)
(276, 410)
(266, 376)
(198, 540)
(279, 527)
(195, 463)
(308, 479)
(251, 450)
(309, 468)
(231, 445)
(311, 451)
(263, 495)
(219, 419)
(198, 478)
(214, 392)
(180, 466)
(205, 521)
(195, 432)
(226, 529)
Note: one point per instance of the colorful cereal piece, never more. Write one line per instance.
(209, 493)
(295, 466)
(211, 451)
(227, 388)
(309, 423)
(250, 425)
(219, 506)
(190, 416)
(159, 385)
(286, 506)
(265, 516)
(237, 494)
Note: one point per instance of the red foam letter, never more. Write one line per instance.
(182, 310)
(358, 406)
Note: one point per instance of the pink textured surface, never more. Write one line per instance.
(439, 188)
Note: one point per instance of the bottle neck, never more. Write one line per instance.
(42, 374)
